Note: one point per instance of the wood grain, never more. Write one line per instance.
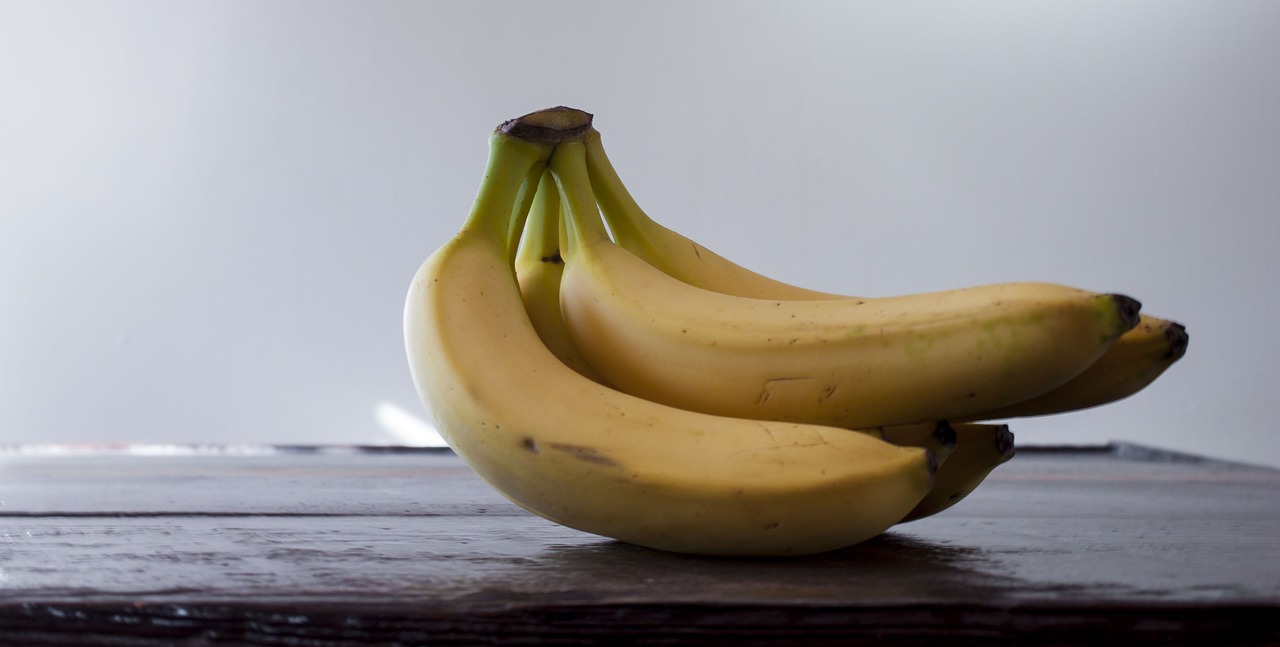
(335, 546)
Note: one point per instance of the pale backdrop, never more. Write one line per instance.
(210, 211)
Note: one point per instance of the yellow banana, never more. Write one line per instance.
(671, 251)
(849, 362)
(601, 461)
(978, 449)
(539, 268)
(1133, 362)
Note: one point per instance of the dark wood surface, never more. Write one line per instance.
(338, 546)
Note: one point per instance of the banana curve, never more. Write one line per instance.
(1133, 363)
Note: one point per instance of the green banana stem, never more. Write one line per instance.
(583, 223)
(671, 251)
(620, 209)
(511, 160)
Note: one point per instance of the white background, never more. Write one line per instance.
(210, 211)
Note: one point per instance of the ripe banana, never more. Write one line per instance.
(539, 268)
(849, 362)
(601, 461)
(671, 251)
(1132, 363)
(1135, 361)
(978, 449)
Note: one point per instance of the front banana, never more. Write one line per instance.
(851, 363)
(978, 449)
(595, 459)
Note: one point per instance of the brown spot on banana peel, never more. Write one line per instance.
(586, 454)
(580, 452)
(555, 258)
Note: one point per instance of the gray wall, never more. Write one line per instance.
(210, 211)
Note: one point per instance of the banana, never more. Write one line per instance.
(849, 363)
(604, 462)
(671, 251)
(539, 268)
(1135, 361)
(978, 449)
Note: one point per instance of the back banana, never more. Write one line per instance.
(849, 362)
(1126, 368)
(1134, 362)
(978, 449)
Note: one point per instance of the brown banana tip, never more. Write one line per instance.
(548, 126)
(1004, 441)
(1129, 309)
(1176, 333)
(945, 433)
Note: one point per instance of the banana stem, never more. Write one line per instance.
(511, 161)
(582, 218)
(619, 207)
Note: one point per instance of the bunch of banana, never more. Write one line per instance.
(629, 383)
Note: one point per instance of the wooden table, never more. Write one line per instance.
(348, 545)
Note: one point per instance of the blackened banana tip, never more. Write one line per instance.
(945, 433)
(1178, 338)
(1004, 441)
(1129, 308)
